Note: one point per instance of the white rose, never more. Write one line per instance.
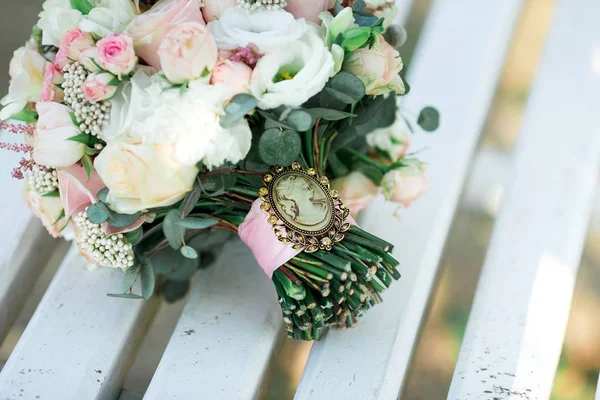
(267, 29)
(392, 140)
(293, 74)
(108, 17)
(57, 18)
(141, 176)
(27, 69)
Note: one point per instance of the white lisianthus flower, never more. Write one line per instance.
(268, 29)
(293, 74)
(335, 26)
(392, 140)
(146, 111)
(56, 19)
(26, 70)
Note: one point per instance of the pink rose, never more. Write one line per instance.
(187, 52)
(213, 9)
(116, 55)
(52, 147)
(405, 184)
(307, 9)
(51, 90)
(149, 28)
(234, 74)
(378, 67)
(356, 191)
(99, 86)
(72, 43)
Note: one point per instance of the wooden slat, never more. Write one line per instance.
(516, 326)
(79, 342)
(223, 341)
(25, 242)
(455, 68)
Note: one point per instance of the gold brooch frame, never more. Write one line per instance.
(323, 238)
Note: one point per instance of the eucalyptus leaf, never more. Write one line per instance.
(122, 220)
(134, 236)
(279, 148)
(300, 120)
(102, 193)
(175, 290)
(237, 108)
(173, 265)
(429, 119)
(216, 184)
(329, 114)
(197, 223)
(147, 279)
(97, 213)
(189, 252)
(190, 200)
(340, 96)
(125, 296)
(349, 84)
(131, 275)
(173, 232)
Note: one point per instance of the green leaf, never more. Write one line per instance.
(97, 213)
(173, 232)
(237, 108)
(84, 6)
(102, 193)
(60, 216)
(131, 275)
(53, 193)
(208, 240)
(340, 96)
(189, 252)
(215, 183)
(197, 223)
(147, 280)
(86, 139)
(175, 290)
(25, 115)
(349, 84)
(329, 114)
(355, 38)
(88, 165)
(172, 264)
(125, 296)
(279, 148)
(134, 236)
(299, 120)
(122, 220)
(190, 200)
(429, 119)
(253, 162)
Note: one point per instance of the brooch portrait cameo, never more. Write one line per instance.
(303, 209)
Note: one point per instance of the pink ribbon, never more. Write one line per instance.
(257, 234)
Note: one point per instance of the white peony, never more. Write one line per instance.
(293, 74)
(107, 17)
(27, 77)
(267, 29)
(145, 111)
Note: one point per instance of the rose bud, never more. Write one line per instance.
(115, 54)
(405, 184)
(356, 191)
(72, 44)
(99, 86)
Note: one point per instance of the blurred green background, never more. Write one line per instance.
(438, 348)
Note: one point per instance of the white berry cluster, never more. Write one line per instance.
(107, 250)
(254, 5)
(91, 116)
(43, 179)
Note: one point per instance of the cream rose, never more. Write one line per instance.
(293, 74)
(405, 184)
(356, 191)
(99, 86)
(213, 9)
(141, 176)
(307, 9)
(378, 68)
(27, 69)
(47, 209)
(52, 147)
(187, 52)
(393, 140)
(269, 30)
(72, 44)
(149, 28)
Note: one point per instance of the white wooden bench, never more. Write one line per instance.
(80, 344)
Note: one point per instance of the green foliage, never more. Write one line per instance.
(279, 148)
(131, 275)
(253, 162)
(25, 115)
(88, 165)
(197, 223)
(346, 87)
(54, 193)
(134, 236)
(329, 114)
(174, 265)
(190, 200)
(299, 120)
(102, 194)
(147, 279)
(237, 108)
(173, 232)
(122, 220)
(189, 252)
(429, 119)
(217, 183)
(84, 6)
(86, 139)
(97, 213)
(125, 296)
(175, 290)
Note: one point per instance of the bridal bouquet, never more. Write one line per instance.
(154, 130)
